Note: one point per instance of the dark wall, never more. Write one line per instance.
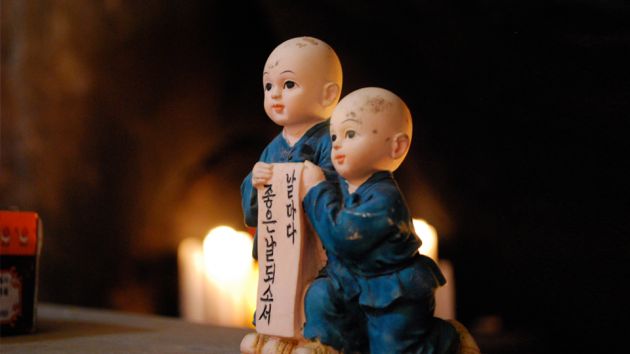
(129, 127)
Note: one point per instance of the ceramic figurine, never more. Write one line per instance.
(302, 84)
(302, 81)
(376, 293)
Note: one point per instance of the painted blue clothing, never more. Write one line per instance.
(314, 146)
(376, 293)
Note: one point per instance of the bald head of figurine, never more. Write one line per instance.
(302, 82)
(371, 131)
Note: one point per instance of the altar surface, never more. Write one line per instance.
(68, 329)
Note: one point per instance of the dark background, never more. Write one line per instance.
(129, 126)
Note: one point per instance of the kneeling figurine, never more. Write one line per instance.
(376, 293)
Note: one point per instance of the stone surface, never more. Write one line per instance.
(64, 329)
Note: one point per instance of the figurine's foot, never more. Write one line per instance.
(315, 348)
(252, 343)
(466, 340)
(278, 346)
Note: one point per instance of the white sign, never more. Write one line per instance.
(289, 254)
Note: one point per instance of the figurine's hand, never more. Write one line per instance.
(261, 174)
(311, 176)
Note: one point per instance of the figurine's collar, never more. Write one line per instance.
(379, 176)
(312, 130)
(309, 133)
(376, 177)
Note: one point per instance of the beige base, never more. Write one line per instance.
(254, 343)
(468, 344)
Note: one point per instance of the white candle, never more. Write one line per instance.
(428, 235)
(228, 268)
(191, 280)
(218, 278)
(445, 295)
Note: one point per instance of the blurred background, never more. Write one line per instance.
(129, 126)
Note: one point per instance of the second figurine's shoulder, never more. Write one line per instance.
(381, 182)
(381, 186)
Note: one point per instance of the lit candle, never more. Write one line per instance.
(445, 295)
(228, 268)
(428, 235)
(191, 279)
(218, 278)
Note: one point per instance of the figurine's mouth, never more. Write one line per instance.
(340, 159)
(278, 108)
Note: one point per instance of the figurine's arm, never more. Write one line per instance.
(249, 201)
(312, 175)
(325, 163)
(349, 231)
(259, 175)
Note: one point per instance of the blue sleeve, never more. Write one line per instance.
(249, 195)
(324, 161)
(249, 201)
(349, 231)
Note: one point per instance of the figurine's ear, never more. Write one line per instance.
(400, 145)
(330, 94)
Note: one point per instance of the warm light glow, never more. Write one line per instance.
(191, 280)
(227, 256)
(428, 235)
(218, 278)
(444, 295)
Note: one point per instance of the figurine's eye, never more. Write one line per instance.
(350, 134)
(289, 84)
(268, 86)
(333, 137)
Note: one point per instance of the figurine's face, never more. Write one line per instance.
(359, 143)
(291, 96)
(367, 134)
(294, 81)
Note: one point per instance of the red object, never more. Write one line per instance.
(18, 235)
(20, 247)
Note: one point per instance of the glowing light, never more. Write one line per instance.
(191, 279)
(428, 235)
(218, 278)
(227, 256)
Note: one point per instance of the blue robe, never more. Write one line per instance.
(314, 146)
(376, 293)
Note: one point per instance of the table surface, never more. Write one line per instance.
(68, 329)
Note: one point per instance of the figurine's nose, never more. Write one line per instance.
(276, 92)
(336, 145)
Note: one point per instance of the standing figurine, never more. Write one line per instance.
(302, 81)
(376, 293)
(302, 84)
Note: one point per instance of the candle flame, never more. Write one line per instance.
(227, 256)
(225, 292)
(429, 237)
